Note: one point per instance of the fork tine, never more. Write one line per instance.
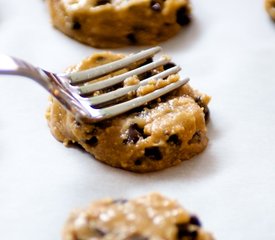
(89, 88)
(117, 109)
(105, 97)
(86, 75)
(65, 88)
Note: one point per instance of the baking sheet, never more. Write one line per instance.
(229, 53)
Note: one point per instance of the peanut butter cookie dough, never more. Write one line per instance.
(151, 217)
(116, 23)
(270, 7)
(158, 135)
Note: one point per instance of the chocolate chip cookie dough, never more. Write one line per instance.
(116, 23)
(158, 135)
(151, 217)
(270, 7)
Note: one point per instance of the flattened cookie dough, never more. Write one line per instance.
(116, 23)
(158, 135)
(270, 7)
(151, 217)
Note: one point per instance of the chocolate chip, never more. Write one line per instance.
(120, 201)
(206, 113)
(132, 38)
(185, 230)
(169, 65)
(147, 61)
(137, 111)
(134, 133)
(152, 104)
(174, 140)
(196, 138)
(100, 59)
(92, 141)
(206, 110)
(137, 237)
(148, 73)
(183, 16)
(138, 161)
(167, 24)
(77, 123)
(145, 75)
(194, 221)
(153, 153)
(155, 6)
(76, 25)
(102, 2)
(99, 232)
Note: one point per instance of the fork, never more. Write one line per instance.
(72, 90)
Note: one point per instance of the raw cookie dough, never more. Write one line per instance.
(116, 23)
(158, 135)
(151, 217)
(270, 7)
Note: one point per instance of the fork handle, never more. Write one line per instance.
(14, 66)
(52, 83)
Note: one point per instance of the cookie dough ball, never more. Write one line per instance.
(116, 23)
(151, 217)
(270, 7)
(158, 135)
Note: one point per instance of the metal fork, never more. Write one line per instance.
(72, 92)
